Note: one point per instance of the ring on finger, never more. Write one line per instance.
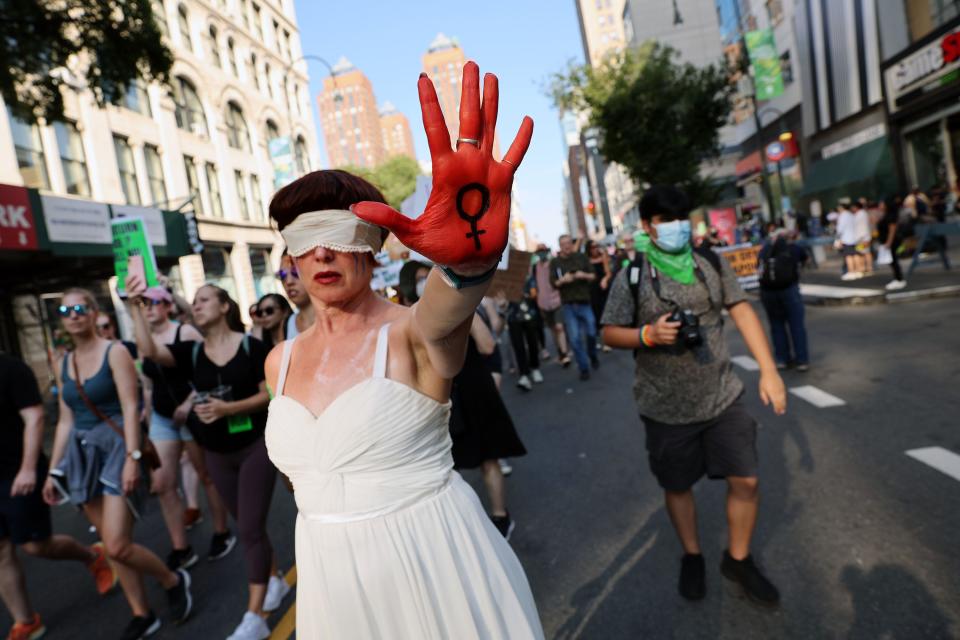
(512, 164)
(472, 141)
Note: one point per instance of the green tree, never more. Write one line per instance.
(51, 45)
(658, 118)
(396, 178)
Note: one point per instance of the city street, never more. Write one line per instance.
(860, 537)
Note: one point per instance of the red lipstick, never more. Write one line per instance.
(326, 277)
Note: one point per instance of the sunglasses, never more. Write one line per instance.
(283, 274)
(265, 312)
(150, 302)
(104, 326)
(79, 309)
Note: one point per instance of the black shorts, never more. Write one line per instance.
(24, 518)
(850, 250)
(550, 317)
(682, 454)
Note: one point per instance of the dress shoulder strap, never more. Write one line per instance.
(380, 357)
(284, 365)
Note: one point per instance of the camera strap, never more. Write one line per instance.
(655, 283)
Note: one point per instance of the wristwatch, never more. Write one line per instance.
(136, 454)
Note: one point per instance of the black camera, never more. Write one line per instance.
(688, 334)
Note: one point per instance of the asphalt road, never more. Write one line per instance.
(860, 537)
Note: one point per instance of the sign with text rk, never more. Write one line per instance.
(18, 232)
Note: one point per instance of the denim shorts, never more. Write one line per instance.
(162, 428)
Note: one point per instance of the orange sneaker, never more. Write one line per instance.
(28, 630)
(103, 572)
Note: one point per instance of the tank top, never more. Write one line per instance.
(99, 388)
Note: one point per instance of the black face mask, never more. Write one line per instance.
(543, 255)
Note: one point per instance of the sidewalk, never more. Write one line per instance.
(822, 286)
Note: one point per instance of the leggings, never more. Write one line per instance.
(245, 480)
(523, 336)
(895, 265)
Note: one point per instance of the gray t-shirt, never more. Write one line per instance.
(677, 385)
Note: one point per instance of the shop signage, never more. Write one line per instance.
(776, 151)
(76, 221)
(766, 63)
(743, 258)
(193, 232)
(153, 218)
(725, 222)
(924, 69)
(281, 155)
(131, 240)
(862, 137)
(17, 229)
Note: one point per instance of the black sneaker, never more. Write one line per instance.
(221, 544)
(141, 627)
(179, 597)
(504, 524)
(182, 559)
(753, 583)
(584, 376)
(595, 362)
(693, 584)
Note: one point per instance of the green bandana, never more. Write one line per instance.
(678, 266)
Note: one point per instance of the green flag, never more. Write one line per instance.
(766, 63)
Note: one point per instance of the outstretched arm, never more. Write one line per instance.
(465, 225)
(772, 390)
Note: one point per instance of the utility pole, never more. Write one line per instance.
(745, 56)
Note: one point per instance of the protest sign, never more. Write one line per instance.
(130, 239)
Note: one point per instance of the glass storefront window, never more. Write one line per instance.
(29, 150)
(264, 281)
(216, 269)
(928, 161)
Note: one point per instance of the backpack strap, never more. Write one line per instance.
(710, 256)
(634, 279)
(245, 343)
(196, 353)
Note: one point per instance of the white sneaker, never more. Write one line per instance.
(277, 590)
(894, 285)
(537, 376)
(524, 383)
(505, 467)
(252, 627)
(850, 275)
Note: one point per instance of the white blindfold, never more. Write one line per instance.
(334, 229)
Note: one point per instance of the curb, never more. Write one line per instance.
(885, 298)
(924, 294)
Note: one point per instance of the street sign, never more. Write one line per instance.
(18, 232)
(129, 240)
(776, 151)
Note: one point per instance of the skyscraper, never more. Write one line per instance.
(350, 119)
(601, 28)
(397, 139)
(443, 62)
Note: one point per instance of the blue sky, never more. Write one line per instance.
(522, 41)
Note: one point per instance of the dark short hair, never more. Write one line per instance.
(666, 201)
(407, 286)
(318, 190)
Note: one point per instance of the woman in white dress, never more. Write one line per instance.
(390, 541)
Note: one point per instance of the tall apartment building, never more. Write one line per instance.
(238, 81)
(601, 28)
(350, 119)
(397, 138)
(443, 62)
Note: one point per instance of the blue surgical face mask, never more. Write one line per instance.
(673, 236)
(421, 287)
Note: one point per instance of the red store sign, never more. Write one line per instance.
(18, 231)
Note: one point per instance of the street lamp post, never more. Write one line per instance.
(778, 114)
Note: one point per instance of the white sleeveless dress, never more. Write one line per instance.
(390, 541)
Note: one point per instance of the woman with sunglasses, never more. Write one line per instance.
(271, 313)
(98, 468)
(170, 401)
(226, 370)
(297, 292)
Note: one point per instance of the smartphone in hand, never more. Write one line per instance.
(136, 267)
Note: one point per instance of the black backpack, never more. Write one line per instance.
(636, 268)
(779, 269)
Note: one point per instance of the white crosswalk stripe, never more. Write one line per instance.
(817, 397)
(746, 362)
(939, 458)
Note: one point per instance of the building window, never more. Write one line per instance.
(786, 68)
(924, 16)
(238, 136)
(73, 159)
(30, 158)
(135, 98)
(775, 11)
(160, 17)
(189, 109)
(245, 14)
(158, 188)
(272, 131)
(232, 57)
(213, 49)
(257, 23)
(213, 184)
(269, 80)
(264, 281)
(257, 200)
(241, 196)
(128, 170)
(286, 44)
(216, 269)
(254, 75)
(276, 38)
(193, 184)
(301, 157)
(184, 23)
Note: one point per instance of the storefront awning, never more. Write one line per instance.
(749, 165)
(868, 167)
